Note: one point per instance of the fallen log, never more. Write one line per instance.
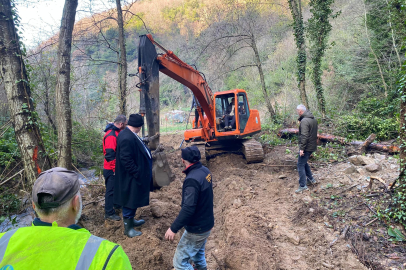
(322, 137)
(367, 143)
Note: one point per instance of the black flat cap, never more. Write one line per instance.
(191, 154)
(135, 120)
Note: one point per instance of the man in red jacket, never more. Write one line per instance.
(109, 168)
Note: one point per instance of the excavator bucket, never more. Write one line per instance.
(148, 69)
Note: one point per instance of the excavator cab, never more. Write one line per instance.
(232, 112)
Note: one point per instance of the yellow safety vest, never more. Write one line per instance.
(59, 248)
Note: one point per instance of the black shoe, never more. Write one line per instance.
(112, 217)
(138, 223)
(129, 228)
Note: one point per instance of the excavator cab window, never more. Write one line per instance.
(225, 113)
(243, 111)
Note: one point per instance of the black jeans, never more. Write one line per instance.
(304, 169)
(229, 120)
(109, 178)
(129, 213)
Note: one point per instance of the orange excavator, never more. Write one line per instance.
(226, 119)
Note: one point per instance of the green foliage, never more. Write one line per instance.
(329, 153)
(270, 136)
(299, 30)
(318, 30)
(397, 234)
(186, 11)
(9, 151)
(9, 202)
(359, 127)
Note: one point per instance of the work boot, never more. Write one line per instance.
(129, 228)
(138, 223)
(301, 189)
(112, 217)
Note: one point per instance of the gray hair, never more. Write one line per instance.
(120, 119)
(301, 107)
(61, 211)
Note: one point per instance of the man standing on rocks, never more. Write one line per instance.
(307, 145)
(196, 214)
(109, 150)
(134, 174)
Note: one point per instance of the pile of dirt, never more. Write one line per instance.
(260, 223)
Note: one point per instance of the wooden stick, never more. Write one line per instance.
(80, 172)
(100, 185)
(347, 189)
(93, 202)
(372, 221)
(5, 181)
(379, 179)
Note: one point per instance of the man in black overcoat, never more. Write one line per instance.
(133, 174)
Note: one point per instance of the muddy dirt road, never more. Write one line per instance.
(256, 219)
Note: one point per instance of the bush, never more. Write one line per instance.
(9, 151)
(361, 126)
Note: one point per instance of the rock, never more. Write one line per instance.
(237, 203)
(363, 160)
(156, 211)
(282, 176)
(307, 199)
(293, 238)
(350, 169)
(311, 210)
(373, 167)
(379, 157)
(394, 167)
(232, 185)
(354, 160)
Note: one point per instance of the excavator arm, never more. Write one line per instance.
(149, 65)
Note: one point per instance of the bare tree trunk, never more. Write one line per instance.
(21, 107)
(62, 102)
(262, 78)
(373, 52)
(296, 10)
(122, 67)
(46, 105)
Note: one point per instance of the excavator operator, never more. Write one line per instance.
(229, 117)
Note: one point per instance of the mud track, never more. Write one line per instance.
(256, 222)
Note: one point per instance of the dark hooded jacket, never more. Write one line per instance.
(308, 132)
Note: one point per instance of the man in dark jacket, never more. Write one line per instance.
(307, 145)
(196, 214)
(109, 151)
(134, 174)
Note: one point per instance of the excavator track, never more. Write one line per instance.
(202, 149)
(253, 151)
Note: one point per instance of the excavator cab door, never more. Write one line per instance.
(243, 111)
(225, 111)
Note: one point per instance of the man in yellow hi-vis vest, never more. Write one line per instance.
(54, 241)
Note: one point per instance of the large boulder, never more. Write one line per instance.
(373, 167)
(354, 160)
(363, 160)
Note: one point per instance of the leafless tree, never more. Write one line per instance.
(63, 108)
(22, 111)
